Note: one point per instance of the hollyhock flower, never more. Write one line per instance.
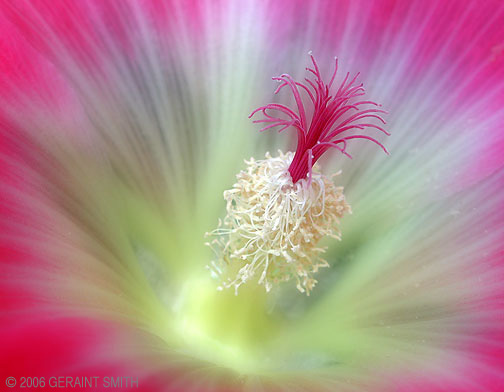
(122, 124)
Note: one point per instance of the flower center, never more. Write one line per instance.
(280, 208)
(272, 225)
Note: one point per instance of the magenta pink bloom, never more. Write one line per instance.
(122, 123)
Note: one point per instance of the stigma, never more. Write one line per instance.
(273, 226)
(281, 207)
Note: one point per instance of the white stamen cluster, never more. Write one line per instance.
(272, 226)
